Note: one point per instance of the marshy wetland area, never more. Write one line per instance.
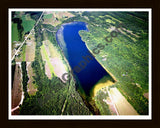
(79, 62)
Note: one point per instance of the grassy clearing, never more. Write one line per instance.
(56, 57)
(46, 58)
(113, 18)
(52, 50)
(14, 32)
(53, 60)
(110, 21)
(49, 16)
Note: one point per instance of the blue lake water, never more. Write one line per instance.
(85, 67)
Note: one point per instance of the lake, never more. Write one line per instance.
(85, 67)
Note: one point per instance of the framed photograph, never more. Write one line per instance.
(83, 63)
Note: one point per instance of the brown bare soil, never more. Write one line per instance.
(17, 87)
(16, 112)
(146, 95)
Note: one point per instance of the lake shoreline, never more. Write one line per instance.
(63, 45)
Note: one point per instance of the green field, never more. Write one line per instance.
(27, 23)
(14, 32)
(48, 16)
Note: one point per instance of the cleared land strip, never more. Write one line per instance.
(26, 37)
(54, 62)
(17, 88)
(122, 105)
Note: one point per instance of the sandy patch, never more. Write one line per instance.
(122, 105)
(102, 83)
(59, 68)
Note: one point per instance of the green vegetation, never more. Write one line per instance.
(20, 28)
(27, 23)
(50, 27)
(47, 16)
(24, 52)
(14, 32)
(25, 78)
(103, 107)
(127, 59)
